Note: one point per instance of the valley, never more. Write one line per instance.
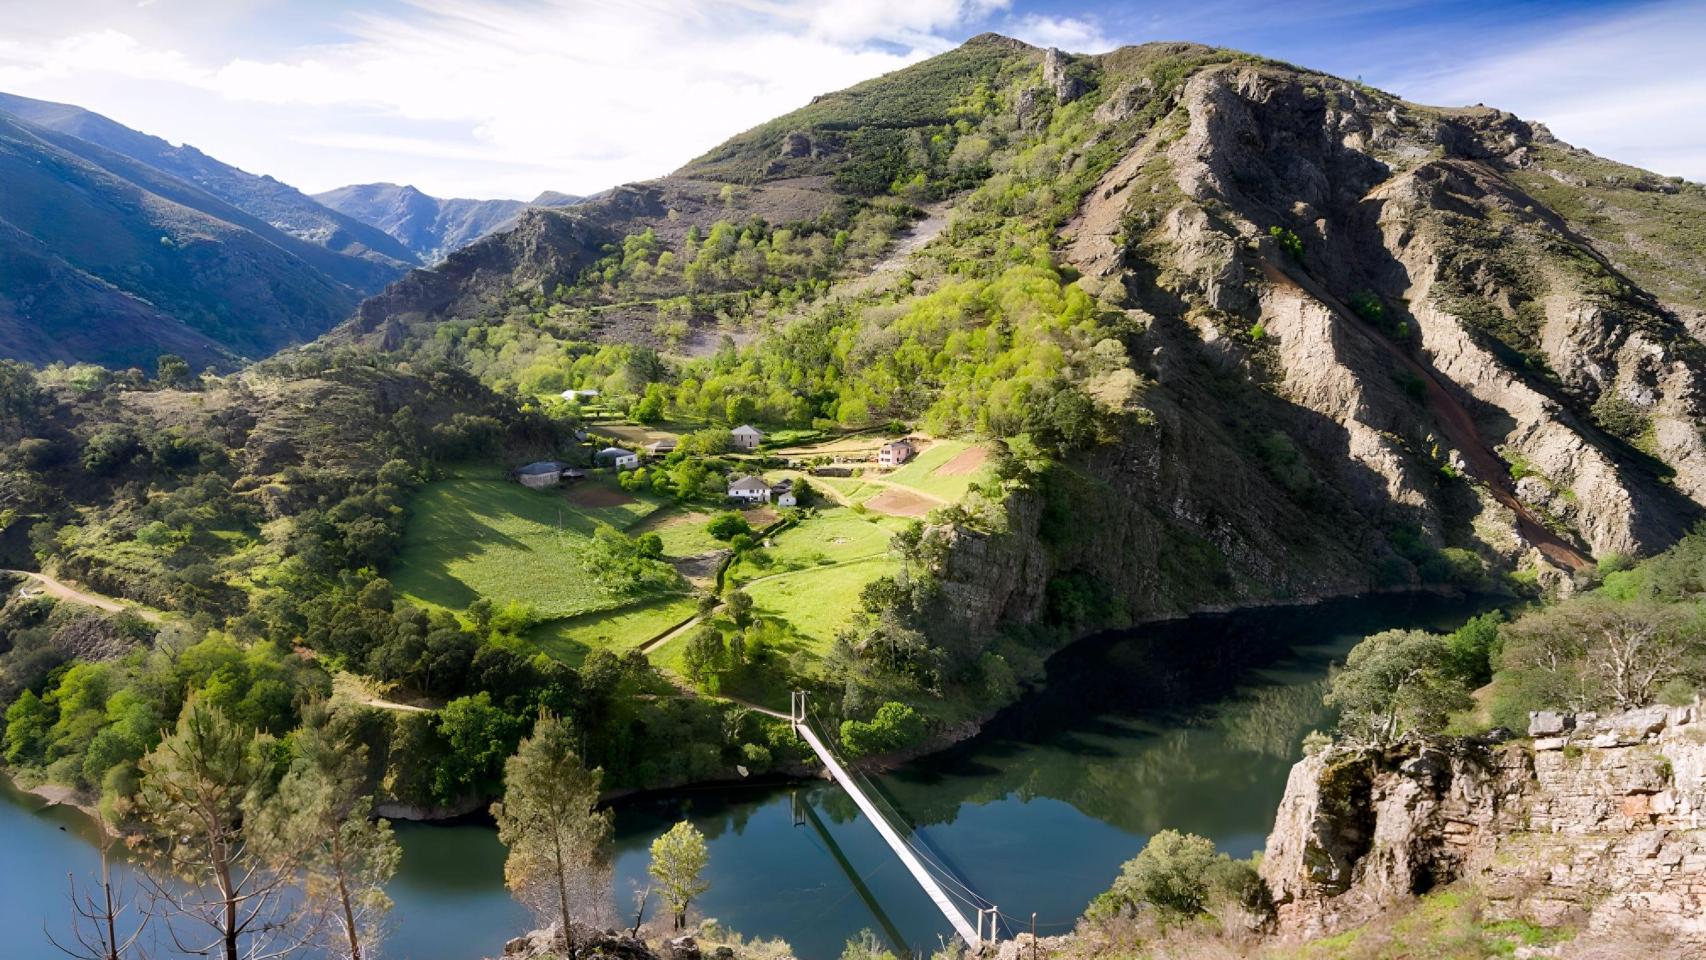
(1112, 448)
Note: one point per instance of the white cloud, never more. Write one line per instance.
(487, 97)
(1072, 34)
(1630, 88)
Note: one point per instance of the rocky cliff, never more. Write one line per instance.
(1596, 823)
(1353, 342)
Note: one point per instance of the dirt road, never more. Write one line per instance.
(60, 590)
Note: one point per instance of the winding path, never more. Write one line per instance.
(60, 590)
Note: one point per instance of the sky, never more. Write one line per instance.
(507, 98)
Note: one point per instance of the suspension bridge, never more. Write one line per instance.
(974, 918)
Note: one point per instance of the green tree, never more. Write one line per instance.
(678, 860)
(739, 606)
(171, 370)
(1181, 875)
(549, 819)
(705, 653)
(1396, 681)
(727, 525)
(320, 821)
(199, 787)
(895, 725)
(479, 735)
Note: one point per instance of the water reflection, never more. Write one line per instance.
(1190, 726)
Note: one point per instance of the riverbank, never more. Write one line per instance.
(1189, 725)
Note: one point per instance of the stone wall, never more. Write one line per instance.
(1598, 823)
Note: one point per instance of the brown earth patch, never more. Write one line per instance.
(900, 503)
(761, 517)
(969, 460)
(700, 570)
(596, 496)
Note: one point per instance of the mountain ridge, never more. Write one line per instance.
(431, 227)
(1234, 216)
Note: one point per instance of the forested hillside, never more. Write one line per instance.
(1174, 327)
(118, 247)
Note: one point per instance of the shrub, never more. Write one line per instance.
(895, 726)
(1288, 241)
(727, 525)
(1181, 876)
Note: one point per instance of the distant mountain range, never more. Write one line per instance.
(429, 226)
(116, 246)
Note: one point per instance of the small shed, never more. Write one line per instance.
(579, 395)
(544, 473)
(617, 457)
(746, 437)
(661, 448)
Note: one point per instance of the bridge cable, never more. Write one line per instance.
(910, 834)
(914, 837)
(904, 828)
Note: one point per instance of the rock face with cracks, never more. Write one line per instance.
(1598, 823)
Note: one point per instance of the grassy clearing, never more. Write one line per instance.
(832, 535)
(683, 532)
(923, 475)
(571, 639)
(468, 537)
(1445, 925)
(817, 601)
(850, 488)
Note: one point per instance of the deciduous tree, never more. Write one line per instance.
(549, 819)
(678, 860)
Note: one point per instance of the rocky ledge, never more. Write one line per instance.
(1596, 822)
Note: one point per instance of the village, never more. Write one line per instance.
(798, 522)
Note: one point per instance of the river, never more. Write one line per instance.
(1189, 725)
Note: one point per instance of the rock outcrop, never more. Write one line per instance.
(1597, 823)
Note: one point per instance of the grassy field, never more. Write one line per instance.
(923, 475)
(471, 535)
(571, 639)
(682, 530)
(850, 488)
(832, 535)
(817, 601)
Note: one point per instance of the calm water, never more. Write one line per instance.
(1037, 814)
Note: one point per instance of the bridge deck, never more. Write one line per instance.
(898, 845)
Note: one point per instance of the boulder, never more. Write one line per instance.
(1548, 723)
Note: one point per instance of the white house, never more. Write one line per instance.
(783, 494)
(750, 489)
(545, 473)
(746, 437)
(895, 453)
(618, 458)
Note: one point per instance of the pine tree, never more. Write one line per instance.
(678, 859)
(549, 819)
(199, 786)
(319, 821)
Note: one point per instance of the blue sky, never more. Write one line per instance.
(511, 97)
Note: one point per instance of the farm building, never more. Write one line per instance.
(746, 437)
(618, 458)
(750, 489)
(661, 448)
(895, 453)
(783, 494)
(544, 473)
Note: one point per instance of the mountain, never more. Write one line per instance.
(374, 258)
(428, 226)
(1285, 335)
(118, 247)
